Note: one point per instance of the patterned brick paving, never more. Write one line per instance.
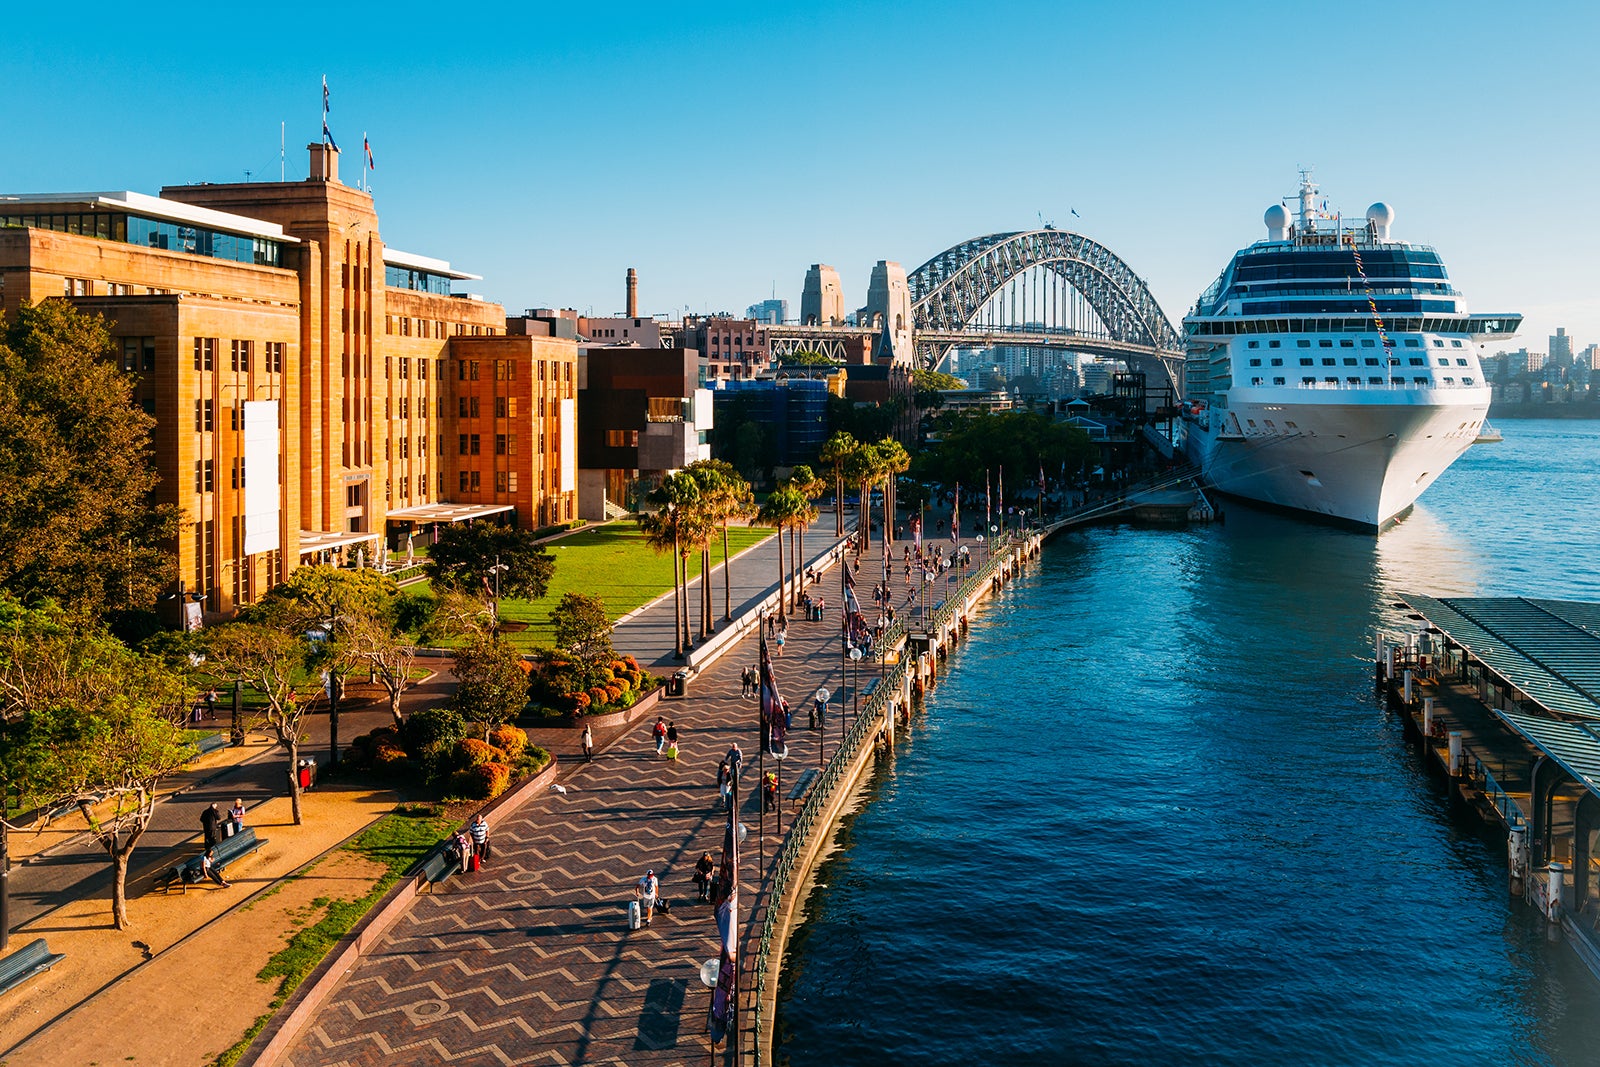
(530, 960)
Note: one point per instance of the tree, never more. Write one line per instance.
(267, 657)
(338, 604)
(808, 485)
(89, 722)
(78, 517)
(836, 452)
(895, 461)
(805, 358)
(670, 528)
(782, 509)
(583, 628)
(383, 646)
(467, 553)
(492, 683)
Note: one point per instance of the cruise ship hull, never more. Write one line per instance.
(1361, 463)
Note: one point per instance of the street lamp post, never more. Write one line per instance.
(822, 702)
(855, 658)
(495, 570)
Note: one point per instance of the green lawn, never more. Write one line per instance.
(616, 564)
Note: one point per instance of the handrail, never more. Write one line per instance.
(821, 794)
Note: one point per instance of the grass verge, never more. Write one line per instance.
(396, 842)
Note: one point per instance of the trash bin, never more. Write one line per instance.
(308, 773)
(678, 684)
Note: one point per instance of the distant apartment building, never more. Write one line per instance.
(1560, 348)
(772, 312)
(735, 349)
(299, 370)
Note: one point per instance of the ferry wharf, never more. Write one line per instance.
(1502, 696)
(531, 960)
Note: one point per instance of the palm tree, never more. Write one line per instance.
(780, 512)
(803, 481)
(861, 467)
(732, 499)
(836, 453)
(896, 461)
(667, 529)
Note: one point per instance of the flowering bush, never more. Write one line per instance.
(470, 752)
(510, 740)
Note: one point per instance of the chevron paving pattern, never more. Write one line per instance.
(530, 960)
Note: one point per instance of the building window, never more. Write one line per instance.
(472, 371)
(499, 444)
(205, 353)
(475, 485)
(462, 403)
(203, 475)
(499, 370)
(499, 481)
(204, 413)
(240, 355)
(499, 402)
(463, 481)
(474, 444)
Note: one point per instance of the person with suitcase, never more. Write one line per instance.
(646, 892)
(479, 829)
(659, 732)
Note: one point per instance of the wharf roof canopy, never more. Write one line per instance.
(1549, 650)
(1573, 745)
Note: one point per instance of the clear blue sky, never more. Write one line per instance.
(721, 148)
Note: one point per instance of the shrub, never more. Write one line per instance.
(632, 663)
(470, 752)
(434, 724)
(510, 740)
(388, 757)
(598, 696)
(534, 760)
(496, 777)
(613, 691)
(580, 702)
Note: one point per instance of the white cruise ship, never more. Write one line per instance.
(1333, 370)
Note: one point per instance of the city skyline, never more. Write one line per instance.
(720, 150)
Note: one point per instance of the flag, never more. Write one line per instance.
(1000, 491)
(727, 893)
(367, 148)
(955, 518)
(1041, 488)
(327, 135)
(988, 502)
(916, 532)
(324, 96)
(852, 606)
(771, 702)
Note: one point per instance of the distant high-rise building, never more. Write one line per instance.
(771, 312)
(1560, 348)
(1590, 357)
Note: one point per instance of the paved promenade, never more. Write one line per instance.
(530, 960)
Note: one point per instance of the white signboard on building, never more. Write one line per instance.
(262, 494)
(569, 447)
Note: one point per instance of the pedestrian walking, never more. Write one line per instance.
(672, 740)
(587, 740)
(659, 732)
(236, 815)
(646, 891)
(735, 760)
(479, 828)
(769, 791)
(211, 826)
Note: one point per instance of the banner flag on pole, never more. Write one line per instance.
(366, 146)
(727, 914)
(988, 501)
(327, 136)
(772, 715)
(955, 518)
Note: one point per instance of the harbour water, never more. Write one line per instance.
(1154, 812)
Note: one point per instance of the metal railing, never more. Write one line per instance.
(811, 813)
(1502, 801)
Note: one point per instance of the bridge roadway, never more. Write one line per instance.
(530, 960)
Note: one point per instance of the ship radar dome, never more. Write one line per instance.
(1381, 216)
(1277, 220)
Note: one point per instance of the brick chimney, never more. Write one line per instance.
(633, 293)
(324, 163)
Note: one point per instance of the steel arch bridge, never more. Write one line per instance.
(951, 290)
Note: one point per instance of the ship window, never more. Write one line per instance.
(1412, 342)
(1306, 361)
(1255, 344)
(1394, 361)
(1455, 344)
(1303, 343)
(1461, 363)
(1466, 381)
(1325, 343)
(1328, 361)
(1353, 381)
(1252, 423)
(1443, 362)
(1419, 381)
(1367, 342)
(1417, 361)
(1331, 381)
(1374, 381)
(1346, 343)
(1349, 361)
(1277, 361)
(1437, 343)
(1272, 344)
(1371, 361)
(1290, 425)
(1255, 362)
(1269, 424)
(1277, 381)
(1257, 381)
(1450, 381)
(1308, 381)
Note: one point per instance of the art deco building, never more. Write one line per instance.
(306, 379)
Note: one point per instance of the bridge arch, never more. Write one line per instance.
(950, 290)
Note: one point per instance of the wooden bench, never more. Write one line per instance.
(26, 962)
(211, 743)
(439, 866)
(192, 870)
(870, 688)
(801, 785)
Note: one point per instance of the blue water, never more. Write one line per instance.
(1154, 813)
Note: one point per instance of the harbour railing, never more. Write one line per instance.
(812, 813)
(1510, 811)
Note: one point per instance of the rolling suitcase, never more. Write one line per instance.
(633, 915)
(475, 862)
